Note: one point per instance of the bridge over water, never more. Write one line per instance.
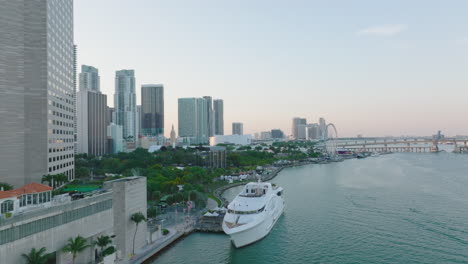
(402, 144)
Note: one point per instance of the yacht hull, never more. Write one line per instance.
(257, 232)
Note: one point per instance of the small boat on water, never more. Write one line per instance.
(253, 213)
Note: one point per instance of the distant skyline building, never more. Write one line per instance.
(313, 132)
(211, 118)
(89, 78)
(138, 121)
(173, 137)
(152, 110)
(295, 123)
(37, 90)
(237, 128)
(193, 120)
(265, 135)
(218, 107)
(277, 133)
(323, 129)
(115, 133)
(91, 115)
(125, 103)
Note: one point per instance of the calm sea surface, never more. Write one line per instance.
(398, 208)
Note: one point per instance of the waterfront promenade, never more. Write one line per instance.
(147, 252)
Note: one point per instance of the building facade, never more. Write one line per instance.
(125, 103)
(295, 123)
(237, 128)
(36, 90)
(277, 133)
(210, 113)
(92, 122)
(193, 117)
(39, 220)
(115, 138)
(91, 114)
(89, 78)
(218, 107)
(152, 110)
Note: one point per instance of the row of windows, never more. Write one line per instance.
(61, 132)
(21, 231)
(60, 140)
(60, 123)
(246, 212)
(62, 157)
(35, 198)
(6, 206)
(61, 106)
(60, 149)
(60, 166)
(59, 114)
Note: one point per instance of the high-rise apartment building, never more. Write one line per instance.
(36, 90)
(323, 129)
(211, 118)
(218, 107)
(295, 123)
(152, 110)
(125, 103)
(193, 117)
(92, 120)
(89, 78)
(237, 128)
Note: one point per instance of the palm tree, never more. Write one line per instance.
(75, 246)
(137, 218)
(36, 256)
(102, 242)
(47, 178)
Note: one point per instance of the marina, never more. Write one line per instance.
(399, 208)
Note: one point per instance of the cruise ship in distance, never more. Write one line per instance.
(253, 213)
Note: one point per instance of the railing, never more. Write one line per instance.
(32, 214)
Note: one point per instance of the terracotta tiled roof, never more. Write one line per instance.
(28, 188)
(7, 194)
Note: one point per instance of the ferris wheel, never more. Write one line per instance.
(331, 143)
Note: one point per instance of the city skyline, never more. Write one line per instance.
(370, 68)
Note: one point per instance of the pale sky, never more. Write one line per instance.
(370, 67)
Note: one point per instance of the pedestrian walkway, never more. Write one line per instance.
(146, 252)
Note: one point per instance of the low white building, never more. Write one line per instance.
(231, 139)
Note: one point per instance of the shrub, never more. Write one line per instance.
(165, 231)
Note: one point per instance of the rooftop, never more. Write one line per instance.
(26, 189)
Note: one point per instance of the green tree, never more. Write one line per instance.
(151, 212)
(36, 256)
(75, 246)
(137, 218)
(102, 242)
(6, 186)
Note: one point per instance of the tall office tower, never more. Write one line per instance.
(152, 110)
(110, 113)
(313, 132)
(36, 90)
(218, 107)
(295, 123)
(210, 111)
(125, 103)
(91, 114)
(89, 78)
(237, 128)
(277, 133)
(138, 122)
(75, 131)
(193, 118)
(323, 129)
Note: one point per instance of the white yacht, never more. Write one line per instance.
(253, 212)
